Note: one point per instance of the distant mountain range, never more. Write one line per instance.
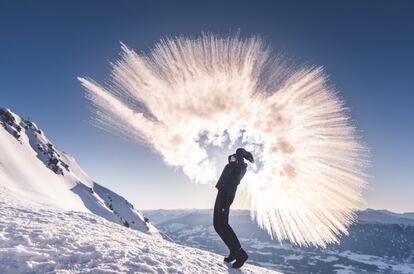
(379, 241)
(384, 216)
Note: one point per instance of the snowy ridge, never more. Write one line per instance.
(385, 217)
(33, 168)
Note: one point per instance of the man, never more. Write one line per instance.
(227, 185)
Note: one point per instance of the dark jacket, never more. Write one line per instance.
(233, 172)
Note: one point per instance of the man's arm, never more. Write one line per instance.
(223, 176)
(242, 153)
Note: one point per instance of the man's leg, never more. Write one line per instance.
(231, 239)
(236, 252)
(220, 217)
(216, 220)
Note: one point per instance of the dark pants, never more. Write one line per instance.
(221, 219)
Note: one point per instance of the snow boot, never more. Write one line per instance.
(241, 258)
(231, 257)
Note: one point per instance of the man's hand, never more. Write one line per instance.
(249, 157)
(245, 154)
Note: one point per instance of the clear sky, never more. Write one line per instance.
(365, 46)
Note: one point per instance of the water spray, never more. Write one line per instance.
(226, 89)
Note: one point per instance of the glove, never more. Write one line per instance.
(246, 155)
(249, 157)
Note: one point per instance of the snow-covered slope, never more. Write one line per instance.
(38, 239)
(35, 170)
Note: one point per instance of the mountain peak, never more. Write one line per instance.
(32, 167)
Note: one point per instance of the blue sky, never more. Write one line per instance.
(366, 48)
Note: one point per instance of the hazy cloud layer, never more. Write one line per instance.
(188, 94)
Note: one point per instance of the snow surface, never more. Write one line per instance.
(39, 239)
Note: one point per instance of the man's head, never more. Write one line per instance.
(232, 158)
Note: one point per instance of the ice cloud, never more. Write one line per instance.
(188, 94)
